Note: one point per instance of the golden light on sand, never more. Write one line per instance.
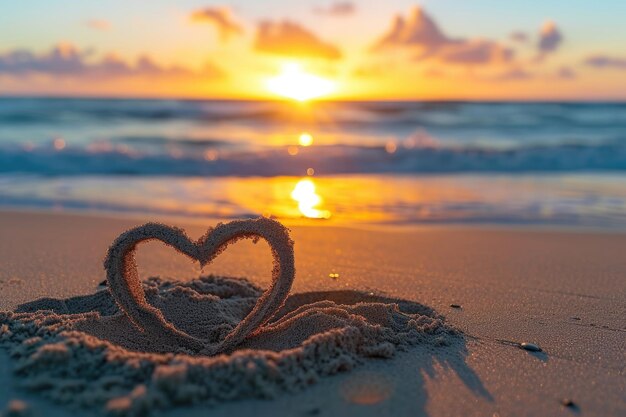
(295, 83)
(304, 193)
(305, 139)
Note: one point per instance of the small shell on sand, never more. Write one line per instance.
(531, 347)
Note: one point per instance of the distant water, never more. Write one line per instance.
(376, 162)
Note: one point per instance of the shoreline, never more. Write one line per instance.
(303, 222)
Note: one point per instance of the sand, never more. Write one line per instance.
(564, 291)
(84, 352)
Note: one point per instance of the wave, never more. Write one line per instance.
(324, 160)
(458, 115)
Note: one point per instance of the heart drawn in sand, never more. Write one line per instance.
(127, 290)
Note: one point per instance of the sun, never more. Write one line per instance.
(295, 83)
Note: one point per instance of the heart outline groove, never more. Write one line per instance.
(127, 291)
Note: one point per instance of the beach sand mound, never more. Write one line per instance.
(84, 352)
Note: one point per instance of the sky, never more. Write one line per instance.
(392, 50)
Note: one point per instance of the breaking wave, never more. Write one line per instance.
(213, 159)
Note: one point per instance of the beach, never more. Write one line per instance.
(563, 290)
(324, 208)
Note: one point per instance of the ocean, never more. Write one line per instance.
(374, 163)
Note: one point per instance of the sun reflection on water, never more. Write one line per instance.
(304, 193)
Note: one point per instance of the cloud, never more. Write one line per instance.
(221, 18)
(419, 32)
(605, 61)
(519, 36)
(475, 52)
(66, 60)
(513, 74)
(566, 73)
(98, 24)
(291, 39)
(339, 9)
(550, 38)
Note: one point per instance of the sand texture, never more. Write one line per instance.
(562, 290)
(84, 352)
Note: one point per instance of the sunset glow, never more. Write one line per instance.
(305, 139)
(393, 51)
(295, 83)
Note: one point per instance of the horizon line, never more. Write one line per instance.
(333, 100)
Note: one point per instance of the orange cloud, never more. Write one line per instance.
(290, 39)
(221, 18)
(66, 60)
